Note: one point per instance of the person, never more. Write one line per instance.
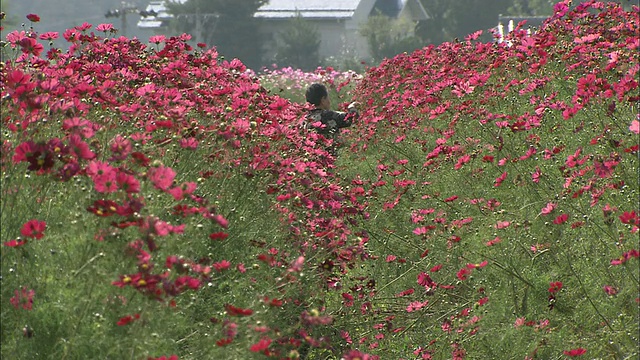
(326, 121)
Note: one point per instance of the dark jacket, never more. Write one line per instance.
(328, 122)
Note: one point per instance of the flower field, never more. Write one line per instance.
(158, 202)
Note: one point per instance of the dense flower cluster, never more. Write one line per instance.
(477, 173)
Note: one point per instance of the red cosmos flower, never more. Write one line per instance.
(33, 17)
(14, 243)
(127, 182)
(140, 159)
(463, 273)
(405, 293)
(629, 217)
(500, 179)
(103, 208)
(417, 305)
(236, 311)
(33, 229)
(262, 345)
(218, 236)
(477, 266)
(80, 148)
(31, 46)
(23, 298)
(127, 319)
(273, 302)
(224, 341)
(425, 280)
(451, 198)
(221, 265)
(561, 219)
(575, 352)
(190, 282)
(40, 158)
(555, 287)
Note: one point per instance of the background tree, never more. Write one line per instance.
(388, 37)
(298, 45)
(235, 32)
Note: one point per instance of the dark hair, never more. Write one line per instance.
(315, 93)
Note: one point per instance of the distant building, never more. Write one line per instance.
(337, 21)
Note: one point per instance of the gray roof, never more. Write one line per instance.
(308, 9)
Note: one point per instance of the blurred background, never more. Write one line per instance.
(303, 34)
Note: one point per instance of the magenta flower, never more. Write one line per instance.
(104, 27)
(14, 243)
(33, 229)
(162, 177)
(23, 298)
(610, 290)
(575, 352)
(561, 219)
(33, 17)
(31, 46)
(262, 345)
(548, 208)
(555, 287)
(50, 35)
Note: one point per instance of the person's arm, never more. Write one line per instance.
(344, 119)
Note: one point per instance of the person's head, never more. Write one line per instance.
(317, 95)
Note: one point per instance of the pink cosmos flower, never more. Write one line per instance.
(635, 127)
(416, 305)
(548, 208)
(162, 177)
(157, 39)
(104, 27)
(15, 37)
(50, 35)
(357, 355)
(610, 290)
(85, 26)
